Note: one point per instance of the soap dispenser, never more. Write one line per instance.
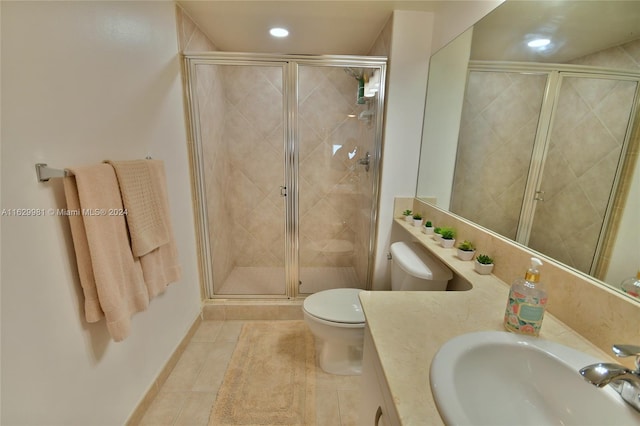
(527, 302)
(631, 285)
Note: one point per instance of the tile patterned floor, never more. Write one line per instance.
(190, 390)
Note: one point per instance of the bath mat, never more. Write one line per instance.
(271, 377)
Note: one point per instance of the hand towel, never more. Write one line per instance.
(108, 268)
(147, 226)
(160, 267)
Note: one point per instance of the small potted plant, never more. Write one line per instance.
(448, 237)
(428, 228)
(417, 220)
(436, 234)
(466, 250)
(483, 264)
(408, 215)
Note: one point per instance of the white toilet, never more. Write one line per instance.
(336, 319)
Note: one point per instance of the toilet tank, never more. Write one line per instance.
(413, 269)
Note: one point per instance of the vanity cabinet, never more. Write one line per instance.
(377, 407)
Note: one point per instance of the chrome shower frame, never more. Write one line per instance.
(289, 64)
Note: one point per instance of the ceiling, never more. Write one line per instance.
(351, 27)
(315, 27)
(576, 29)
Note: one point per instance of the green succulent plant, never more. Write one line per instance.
(484, 259)
(417, 216)
(448, 233)
(466, 246)
(428, 224)
(407, 213)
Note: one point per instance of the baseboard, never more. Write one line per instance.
(147, 399)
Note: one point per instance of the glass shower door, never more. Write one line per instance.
(336, 177)
(240, 120)
(590, 126)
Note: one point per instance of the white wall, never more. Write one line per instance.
(625, 257)
(406, 88)
(454, 17)
(83, 82)
(443, 110)
(415, 36)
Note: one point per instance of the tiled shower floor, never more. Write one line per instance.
(188, 394)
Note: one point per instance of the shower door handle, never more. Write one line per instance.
(365, 161)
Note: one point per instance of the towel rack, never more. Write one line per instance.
(44, 172)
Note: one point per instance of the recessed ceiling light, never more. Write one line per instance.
(539, 42)
(278, 32)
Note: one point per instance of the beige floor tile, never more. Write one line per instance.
(230, 331)
(334, 381)
(164, 409)
(190, 390)
(196, 409)
(208, 331)
(349, 403)
(327, 407)
(214, 368)
(186, 371)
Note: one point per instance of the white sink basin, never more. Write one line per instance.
(500, 378)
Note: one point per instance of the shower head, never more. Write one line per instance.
(357, 74)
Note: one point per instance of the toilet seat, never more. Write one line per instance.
(339, 306)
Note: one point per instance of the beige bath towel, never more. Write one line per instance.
(108, 271)
(161, 266)
(144, 194)
(147, 226)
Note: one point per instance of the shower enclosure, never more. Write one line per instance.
(540, 154)
(285, 154)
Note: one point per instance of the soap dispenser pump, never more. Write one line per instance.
(527, 302)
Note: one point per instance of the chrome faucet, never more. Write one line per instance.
(626, 382)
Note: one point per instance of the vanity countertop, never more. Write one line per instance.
(408, 328)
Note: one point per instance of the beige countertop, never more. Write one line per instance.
(408, 328)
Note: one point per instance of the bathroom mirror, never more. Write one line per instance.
(539, 144)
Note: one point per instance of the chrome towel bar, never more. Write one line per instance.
(44, 172)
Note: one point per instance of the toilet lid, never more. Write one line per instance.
(336, 305)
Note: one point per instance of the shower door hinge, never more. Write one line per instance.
(283, 191)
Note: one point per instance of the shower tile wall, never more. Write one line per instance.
(499, 119)
(211, 104)
(242, 144)
(335, 192)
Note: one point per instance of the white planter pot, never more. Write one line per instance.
(466, 255)
(447, 243)
(437, 237)
(482, 269)
(408, 218)
(428, 230)
(417, 223)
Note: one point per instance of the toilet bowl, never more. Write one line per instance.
(336, 320)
